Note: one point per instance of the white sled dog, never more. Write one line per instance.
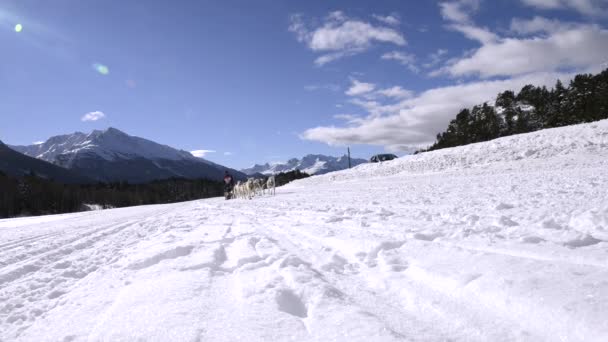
(270, 185)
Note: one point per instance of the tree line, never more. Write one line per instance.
(32, 195)
(286, 177)
(533, 108)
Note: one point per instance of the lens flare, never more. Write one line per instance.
(18, 28)
(131, 83)
(102, 69)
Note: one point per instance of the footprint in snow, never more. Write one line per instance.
(383, 246)
(427, 236)
(471, 219)
(504, 206)
(391, 261)
(289, 302)
(334, 219)
(469, 278)
(330, 233)
(172, 253)
(583, 241)
(506, 221)
(293, 261)
(383, 213)
(63, 265)
(531, 239)
(551, 224)
(335, 264)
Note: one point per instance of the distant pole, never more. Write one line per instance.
(348, 148)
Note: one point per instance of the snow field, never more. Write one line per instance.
(477, 243)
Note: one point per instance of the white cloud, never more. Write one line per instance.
(473, 32)
(352, 35)
(547, 45)
(297, 26)
(93, 116)
(396, 92)
(339, 36)
(330, 87)
(359, 88)
(414, 122)
(367, 96)
(349, 118)
(330, 57)
(587, 7)
(201, 153)
(459, 11)
(436, 57)
(392, 19)
(531, 46)
(406, 59)
(370, 104)
(459, 14)
(578, 47)
(38, 142)
(539, 25)
(228, 153)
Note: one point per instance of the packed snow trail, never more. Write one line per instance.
(500, 241)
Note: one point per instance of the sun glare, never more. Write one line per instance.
(102, 69)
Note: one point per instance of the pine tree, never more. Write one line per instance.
(556, 111)
(491, 123)
(506, 100)
(463, 127)
(580, 96)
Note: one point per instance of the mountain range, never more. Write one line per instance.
(112, 155)
(313, 164)
(16, 164)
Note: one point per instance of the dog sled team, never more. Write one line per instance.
(249, 189)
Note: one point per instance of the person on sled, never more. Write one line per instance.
(228, 185)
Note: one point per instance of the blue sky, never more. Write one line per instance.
(259, 81)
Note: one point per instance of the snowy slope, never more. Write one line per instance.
(313, 164)
(498, 241)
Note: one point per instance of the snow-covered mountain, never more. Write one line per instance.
(110, 144)
(313, 164)
(16, 164)
(112, 155)
(504, 240)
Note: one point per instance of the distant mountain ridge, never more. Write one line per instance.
(16, 164)
(110, 144)
(313, 164)
(112, 155)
